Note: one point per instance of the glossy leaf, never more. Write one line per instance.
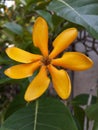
(81, 12)
(79, 115)
(14, 27)
(41, 115)
(92, 111)
(82, 99)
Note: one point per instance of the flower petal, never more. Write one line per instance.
(61, 82)
(73, 61)
(21, 55)
(63, 40)
(40, 35)
(38, 86)
(22, 70)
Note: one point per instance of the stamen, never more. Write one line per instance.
(46, 61)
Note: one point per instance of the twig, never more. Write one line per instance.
(88, 103)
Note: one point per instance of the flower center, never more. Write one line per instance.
(46, 61)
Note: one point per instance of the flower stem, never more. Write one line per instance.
(36, 113)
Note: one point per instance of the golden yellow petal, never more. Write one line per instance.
(73, 61)
(40, 35)
(21, 55)
(61, 82)
(38, 86)
(63, 40)
(22, 70)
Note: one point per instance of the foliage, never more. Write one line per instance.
(16, 28)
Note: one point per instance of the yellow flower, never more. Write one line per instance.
(47, 62)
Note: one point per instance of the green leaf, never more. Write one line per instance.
(4, 129)
(82, 99)
(44, 114)
(5, 80)
(79, 115)
(81, 12)
(92, 111)
(95, 126)
(14, 27)
(3, 60)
